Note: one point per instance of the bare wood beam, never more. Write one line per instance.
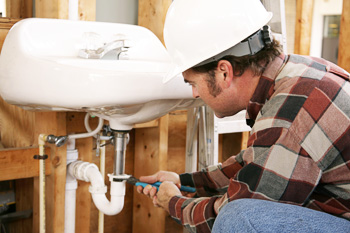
(87, 10)
(19, 163)
(151, 145)
(52, 123)
(152, 15)
(19, 8)
(344, 42)
(303, 27)
(59, 9)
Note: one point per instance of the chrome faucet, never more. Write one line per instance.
(119, 46)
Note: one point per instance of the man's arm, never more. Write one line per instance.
(272, 172)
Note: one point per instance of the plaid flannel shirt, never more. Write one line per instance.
(298, 151)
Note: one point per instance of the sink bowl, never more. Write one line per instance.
(40, 70)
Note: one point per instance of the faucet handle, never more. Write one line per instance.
(91, 41)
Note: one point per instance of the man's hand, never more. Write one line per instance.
(169, 187)
(166, 191)
(162, 176)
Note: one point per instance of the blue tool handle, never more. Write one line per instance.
(145, 184)
(157, 184)
(188, 189)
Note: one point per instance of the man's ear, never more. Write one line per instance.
(225, 70)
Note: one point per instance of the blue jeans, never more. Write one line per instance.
(251, 215)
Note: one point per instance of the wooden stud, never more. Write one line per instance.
(245, 138)
(152, 15)
(19, 8)
(59, 9)
(52, 123)
(151, 146)
(303, 27)
(176, 156)
(87, 10)
(51, 9)
(344, 42)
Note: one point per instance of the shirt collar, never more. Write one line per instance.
(265, 88)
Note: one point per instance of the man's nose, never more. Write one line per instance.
(195, 92)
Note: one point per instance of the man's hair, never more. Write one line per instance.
(256, 63)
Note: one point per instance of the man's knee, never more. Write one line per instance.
(235, 215)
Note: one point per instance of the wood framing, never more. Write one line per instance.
(19, 163)
(151, 145)
(344, 42)
(303, 27)
(152, 15)
(59, 9)
(52, 123)
(19, 9)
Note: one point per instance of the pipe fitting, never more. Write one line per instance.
(57, 140)
(79, 170)
(89, 172)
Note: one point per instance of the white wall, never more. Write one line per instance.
(322, 8)
(117, 11)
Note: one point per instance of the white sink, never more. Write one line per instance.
(40, 70)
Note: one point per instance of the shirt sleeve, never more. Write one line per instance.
(212, 180)
(273, 169)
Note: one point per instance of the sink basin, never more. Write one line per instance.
(40, 70)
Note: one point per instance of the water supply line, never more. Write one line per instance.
(41, 141)
(89, 133)
(102, 170)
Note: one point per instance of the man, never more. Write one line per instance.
(295, 174)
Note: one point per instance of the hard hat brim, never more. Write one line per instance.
(175, 69)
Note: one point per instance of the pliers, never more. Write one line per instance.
(134, 181)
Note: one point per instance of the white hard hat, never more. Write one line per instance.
(196, 30)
